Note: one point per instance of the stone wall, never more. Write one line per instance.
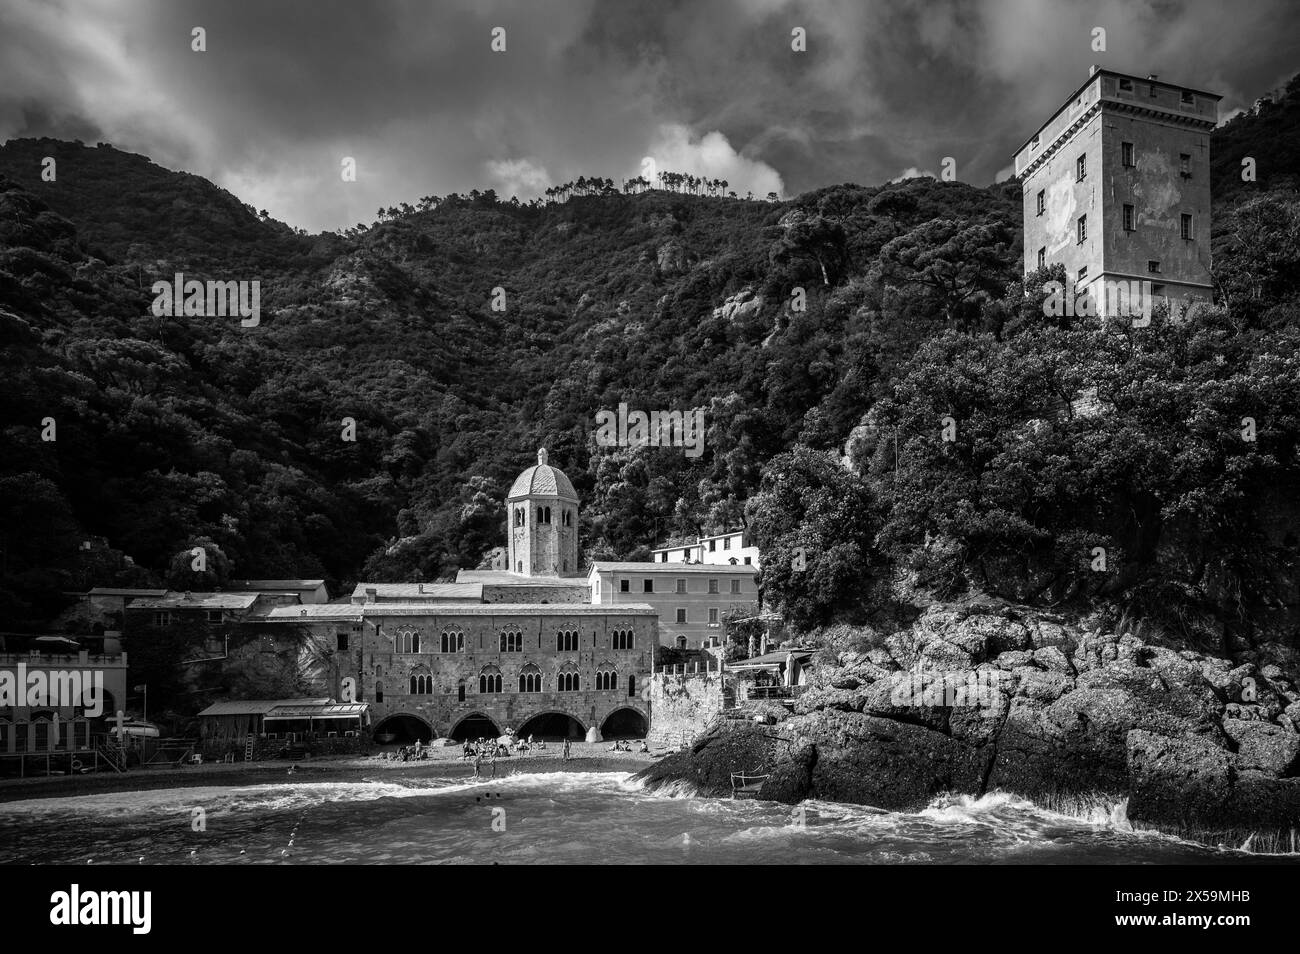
(449, 690)
(682, 705)
(577, 592)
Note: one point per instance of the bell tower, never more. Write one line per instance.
(542, 511)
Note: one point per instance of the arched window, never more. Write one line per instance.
(519, 516)
(512, 641)
(406, 641)
(568, 681)
(530, 679)
(622, 639)
(421, 684)
(631, 686)
(566, 640)
(489, 679)
(379, 692)
(460, 692)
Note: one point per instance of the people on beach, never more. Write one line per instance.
(644, 747)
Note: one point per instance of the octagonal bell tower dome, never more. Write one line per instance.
(542, 510)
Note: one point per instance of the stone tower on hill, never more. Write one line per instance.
(1117, 189)
(543, 512)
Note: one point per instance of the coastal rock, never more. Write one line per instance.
(1014, 659)
(791, 780)
(823, 697)
(1051, 657)
(1264, 747)
(1044, 686)
(1180, 783)
(889, 698)
(708, 766)
(973, 699)
(893, 765)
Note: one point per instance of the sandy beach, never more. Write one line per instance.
(583, 757)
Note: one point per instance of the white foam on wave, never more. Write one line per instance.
(211, 797)
(279, 796)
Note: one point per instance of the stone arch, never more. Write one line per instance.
(405, 727)
(625, 722)
(475, 725)
(553, 725)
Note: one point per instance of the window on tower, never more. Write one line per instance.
(1128, 218)
(1187, 227)
(1083, 229)
(1185, 165)
(1126, 154)
(1081, 168)
(1042, 257)
(1153, 266)
(1126, 85)
(519, 516)
(1041, 202)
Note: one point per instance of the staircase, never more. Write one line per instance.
(248, 749)
(113, 755)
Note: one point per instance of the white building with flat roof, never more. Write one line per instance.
(729, 548)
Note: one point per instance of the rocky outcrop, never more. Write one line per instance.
(671, 258)
(973, 699)
(740, 307)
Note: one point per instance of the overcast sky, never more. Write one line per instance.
(413, 90)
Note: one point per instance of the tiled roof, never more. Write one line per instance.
(276, 584)
(460, 590)
(178, 600)
(542, 480)
(111, 591)
(504, 578)
(674, 569)
(315, 611)
(508, 609)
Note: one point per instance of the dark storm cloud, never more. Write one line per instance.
(287, 88)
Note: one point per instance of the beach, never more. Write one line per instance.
(442, 762)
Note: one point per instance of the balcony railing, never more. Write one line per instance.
(775, 692)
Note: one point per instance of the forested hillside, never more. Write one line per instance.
(174, 430)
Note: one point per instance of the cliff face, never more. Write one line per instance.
(975, 699)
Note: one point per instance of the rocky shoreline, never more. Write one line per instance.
(981, 698)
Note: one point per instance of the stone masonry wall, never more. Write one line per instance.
(682, 705)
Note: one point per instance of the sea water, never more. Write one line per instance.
(560, 818)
